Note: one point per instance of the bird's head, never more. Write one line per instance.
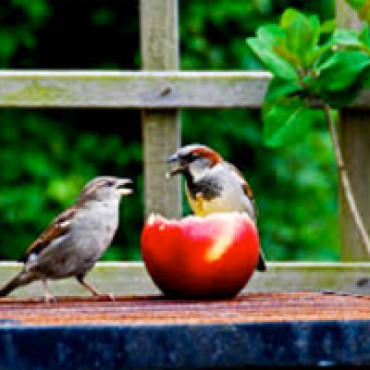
(193, 160)
(103, 188)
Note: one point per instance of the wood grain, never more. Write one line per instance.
(161, 128)
(139, 89)
(354, 132)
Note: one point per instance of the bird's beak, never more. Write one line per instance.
(177, 170)
(173, 158)
(120, 186)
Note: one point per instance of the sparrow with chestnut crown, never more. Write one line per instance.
(213, 185)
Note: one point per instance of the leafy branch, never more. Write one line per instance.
(310, 78)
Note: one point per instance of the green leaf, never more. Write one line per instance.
(357, 4)
(279, 88)
(316, 29)
(341, 69)
(365, 36)
(275, 37)
(344, 37)
(290, 57)
(343, 97)
(286, 122)
(271, 34)
(317, 52)
(271, 60)
(328, 26)
(302, 32)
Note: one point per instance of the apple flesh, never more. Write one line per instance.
(200, 257)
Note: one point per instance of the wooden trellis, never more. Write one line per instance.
(160, 90)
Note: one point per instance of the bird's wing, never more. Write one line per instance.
(58, 227)
(261, 264)
(248, 191)
(245, 186)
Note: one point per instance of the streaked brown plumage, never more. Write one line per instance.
(75, 239)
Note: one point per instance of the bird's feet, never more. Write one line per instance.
(49, 298)
(105, 297)
(94, 291)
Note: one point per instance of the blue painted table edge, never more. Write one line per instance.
(240, 345)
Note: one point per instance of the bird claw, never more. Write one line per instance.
(111, 297)
(49, 298)
(106, 297)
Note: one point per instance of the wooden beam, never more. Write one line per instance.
(161, 129)
(138, 89)
(131, 278)
(354, 132)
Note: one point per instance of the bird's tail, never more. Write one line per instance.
(261, 264)
(22, 278)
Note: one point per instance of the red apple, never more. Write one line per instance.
(203, 257)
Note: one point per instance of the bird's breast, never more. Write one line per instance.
(227, 199)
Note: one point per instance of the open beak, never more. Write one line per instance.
(120, 186)
(178, 169)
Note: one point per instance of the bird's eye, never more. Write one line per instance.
(192, 157)
(110, 183)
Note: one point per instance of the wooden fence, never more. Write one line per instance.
(160, 90)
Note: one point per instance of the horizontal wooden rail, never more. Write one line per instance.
(145, 89)
(131, 278)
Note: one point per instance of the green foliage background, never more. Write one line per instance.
(46, 156)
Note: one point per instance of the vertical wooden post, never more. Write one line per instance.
(354, 133)
(161, 128)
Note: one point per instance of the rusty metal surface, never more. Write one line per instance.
(245, 308)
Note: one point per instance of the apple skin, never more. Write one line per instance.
(200, 257)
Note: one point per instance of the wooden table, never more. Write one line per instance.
(151, 332)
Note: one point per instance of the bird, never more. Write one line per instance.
(75, 239)
(213, 185)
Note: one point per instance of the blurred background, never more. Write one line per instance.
(46, 156)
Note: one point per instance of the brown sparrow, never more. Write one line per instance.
(76, 239)
(214, 185)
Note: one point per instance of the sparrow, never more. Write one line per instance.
(213, 185)
(76, 239)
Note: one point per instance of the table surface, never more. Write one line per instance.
(281, 318)
(155, 309)
(151, 332)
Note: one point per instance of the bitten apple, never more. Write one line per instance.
(200, 257)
